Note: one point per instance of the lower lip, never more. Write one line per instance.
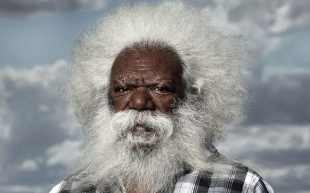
(142, 129)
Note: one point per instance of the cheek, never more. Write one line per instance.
(164, 103)
(119, 103)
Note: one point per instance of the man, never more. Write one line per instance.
(153, 86)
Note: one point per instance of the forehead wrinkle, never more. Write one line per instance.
(147, 66)
(133, 79)
(148, 54)
(140, 67)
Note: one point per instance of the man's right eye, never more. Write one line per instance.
(120, 89)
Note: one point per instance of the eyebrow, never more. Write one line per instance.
(123, 80)
(150, 83)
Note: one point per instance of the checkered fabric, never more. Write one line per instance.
(234, 181)
(223, 176)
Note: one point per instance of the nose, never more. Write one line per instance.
(141, 100)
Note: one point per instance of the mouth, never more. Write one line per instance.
(142, 131)
(141, 134)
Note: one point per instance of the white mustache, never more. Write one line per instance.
(158, 125)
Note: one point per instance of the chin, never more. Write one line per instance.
(142, 140)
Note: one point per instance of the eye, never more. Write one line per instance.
(120, 89)
(164, 89)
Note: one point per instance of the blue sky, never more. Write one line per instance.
(38, 129)
(42, 38)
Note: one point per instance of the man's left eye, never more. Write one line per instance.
(163, 89)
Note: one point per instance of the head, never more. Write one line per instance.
(153, 94)
(147, 76)
(146, 83)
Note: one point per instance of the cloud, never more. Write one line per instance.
(274, 17)
(39, 128)
(281, 153)
(280, 99)
(21, 189)
(29, 165)
(266, 24)
(58, 154)
(31, 6)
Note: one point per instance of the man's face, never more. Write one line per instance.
(146, 79)
(136, 137)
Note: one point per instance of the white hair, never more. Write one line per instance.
(179, 145)
(212, 71)
(211, 57)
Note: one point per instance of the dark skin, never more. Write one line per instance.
(146, 79)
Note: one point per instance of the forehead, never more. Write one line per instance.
(156, 61)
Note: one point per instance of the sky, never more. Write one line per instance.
(38, 128)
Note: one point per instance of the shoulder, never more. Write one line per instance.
(237, 181)
(57, 188)
(223, 176)
(70, 186)
(255, 183)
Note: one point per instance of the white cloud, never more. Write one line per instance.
(32, 6)
(93, 4)
(21, 189)
(36, 126)
(49, 78)
(264, 22)
(29, 165)
(282, 21)
(272, 137)
(40, 74)
(280, 153)
(5, 131)
(64, 154)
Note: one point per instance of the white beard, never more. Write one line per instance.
(148, 157)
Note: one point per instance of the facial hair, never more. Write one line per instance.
(145, 149)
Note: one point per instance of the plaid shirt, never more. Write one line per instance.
(224, 176)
